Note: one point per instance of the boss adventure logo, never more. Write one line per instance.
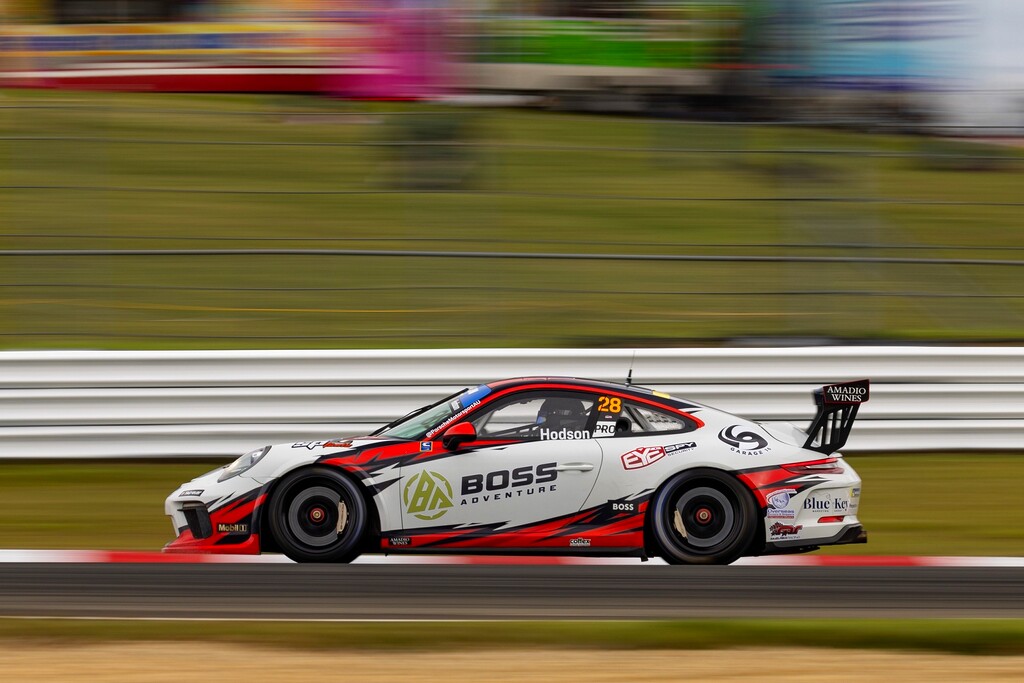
(427, 495)
(505, 484)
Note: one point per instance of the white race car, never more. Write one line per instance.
(541, 466)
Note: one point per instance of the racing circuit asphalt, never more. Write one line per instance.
(411, 591)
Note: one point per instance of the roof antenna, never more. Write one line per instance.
(629, 375)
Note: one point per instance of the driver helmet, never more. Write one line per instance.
(558, 413)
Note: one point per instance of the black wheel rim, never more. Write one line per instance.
(703, 519)
(317, 517)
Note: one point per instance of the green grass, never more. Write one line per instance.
(534, 186)
(111, 505)
(958, 636)
(964, 504)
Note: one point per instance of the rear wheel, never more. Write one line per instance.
(318, 515)
(703, 517)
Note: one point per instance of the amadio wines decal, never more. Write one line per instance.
(848, 393)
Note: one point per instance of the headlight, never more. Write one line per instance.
(244, 463)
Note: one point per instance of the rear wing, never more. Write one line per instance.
(837, 409)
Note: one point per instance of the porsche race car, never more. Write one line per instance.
(541, 466)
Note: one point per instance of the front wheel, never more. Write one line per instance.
(703, 517)
(318, 515)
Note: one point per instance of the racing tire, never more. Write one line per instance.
(318, 515)
(703, 516)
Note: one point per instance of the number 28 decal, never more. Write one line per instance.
(607, 404)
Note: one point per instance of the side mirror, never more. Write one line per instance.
(464, 432)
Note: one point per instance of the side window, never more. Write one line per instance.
(645, 419)
(537, 415)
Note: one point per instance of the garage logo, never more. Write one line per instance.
(747, 443)
(427, 495)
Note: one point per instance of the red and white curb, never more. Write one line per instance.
(121, 556)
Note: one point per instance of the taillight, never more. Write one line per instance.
(823, 466)
(831, 520)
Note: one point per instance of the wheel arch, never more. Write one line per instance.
(267, 542)
(651, 544)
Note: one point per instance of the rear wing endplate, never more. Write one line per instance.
(837, 409)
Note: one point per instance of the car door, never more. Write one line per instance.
(649, 443)
(534, 460)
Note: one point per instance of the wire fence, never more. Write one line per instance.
(540, 229)
(539, 256)
(961, 155)
(899, 201)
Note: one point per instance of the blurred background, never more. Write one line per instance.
(417, 173)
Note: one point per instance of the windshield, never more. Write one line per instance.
(434, 416)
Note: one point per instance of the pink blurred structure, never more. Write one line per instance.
(404, 57)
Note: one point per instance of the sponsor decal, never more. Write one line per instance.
(604, 429)
(854, 499)
(622, 506)
(744, 442)
(399, 541)
(427, 495)
(564, 434)
(506, 484)
(642, 457)
(579, 543)
(232, 528)
(191, 492)
(849, 393)
(778, 504)
(338, 444)
(660, 394)
(474, 395)
(311, 444)
(426, 446)
(780, 530)
(824, 502)
(506, 495)
(680, 447)
(454, 418)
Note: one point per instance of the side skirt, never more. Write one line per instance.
(518, 552)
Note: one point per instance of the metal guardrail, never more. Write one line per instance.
(155, 404)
